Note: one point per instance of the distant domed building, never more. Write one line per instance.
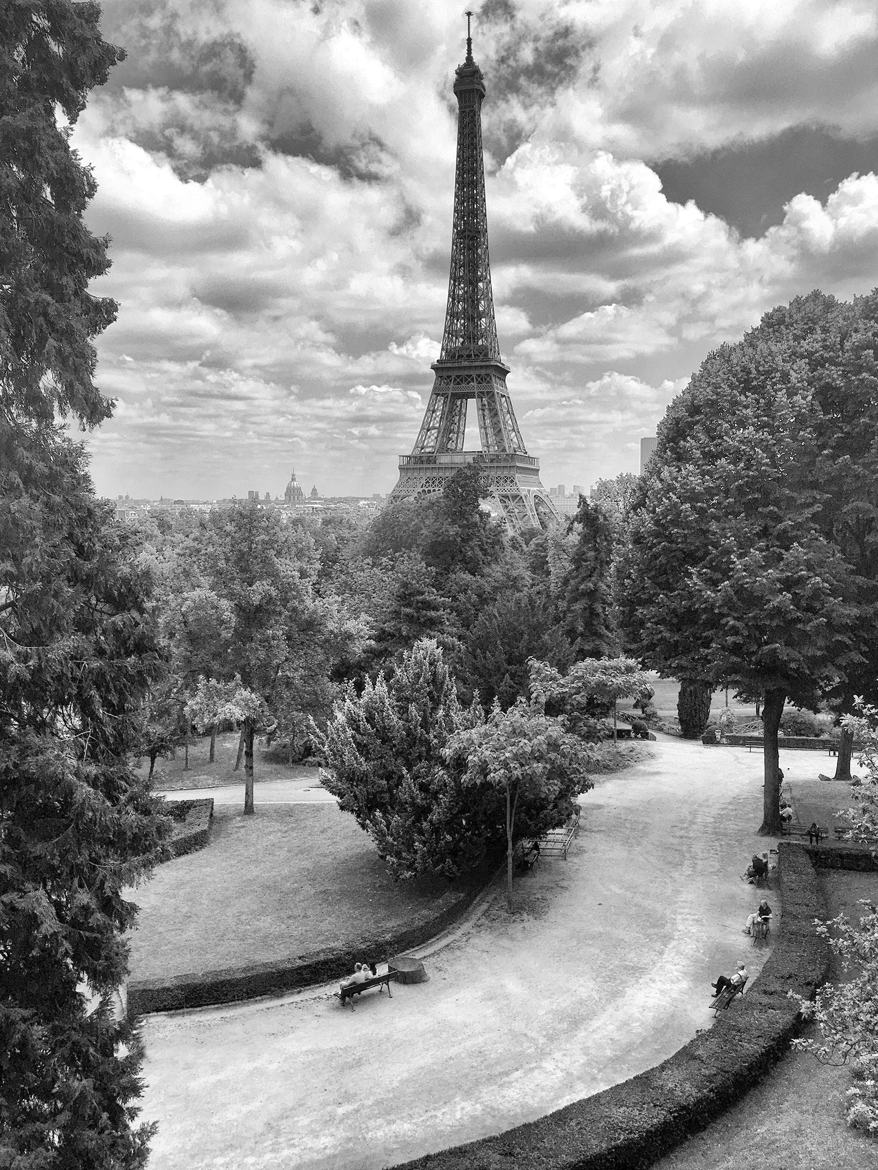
(293, 495)
(315, 495)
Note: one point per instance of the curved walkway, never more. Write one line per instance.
(602, 972)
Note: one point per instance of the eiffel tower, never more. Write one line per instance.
(469, 365)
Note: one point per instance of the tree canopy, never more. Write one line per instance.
(743, 564)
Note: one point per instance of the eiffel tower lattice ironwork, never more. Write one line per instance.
(469, 365)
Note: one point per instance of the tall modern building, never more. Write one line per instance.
(470, 367)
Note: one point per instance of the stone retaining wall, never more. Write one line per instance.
(633, 1124)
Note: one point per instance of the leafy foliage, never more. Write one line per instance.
(532, 760)
(738, 569)
(861, 819)
(587, 693)
(846, 1013)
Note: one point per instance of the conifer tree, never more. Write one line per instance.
(383, 755)
(77, 650)
(588, 597)
(693, 706)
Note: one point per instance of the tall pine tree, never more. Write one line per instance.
(77, 651)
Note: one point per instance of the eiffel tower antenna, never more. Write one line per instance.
(470, 367)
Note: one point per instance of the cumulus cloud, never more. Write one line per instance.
(277, 180)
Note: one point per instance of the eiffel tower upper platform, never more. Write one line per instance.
(469, 365)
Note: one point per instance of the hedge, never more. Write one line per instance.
(633, 1124)
(231, 984)
(192, 824)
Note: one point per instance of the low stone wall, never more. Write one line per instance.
(192, 824)
(240, 983)
(633, 1124)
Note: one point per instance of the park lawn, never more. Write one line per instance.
(290, 880)
(793, 1119)
(665, 701)
(169, 774)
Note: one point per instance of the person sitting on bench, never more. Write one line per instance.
(761, 913)
(813, 834)
(757, 870)
(738, 980)
(531, 855)
(786, 814)
(360, 975)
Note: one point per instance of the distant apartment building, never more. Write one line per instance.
(647, 446)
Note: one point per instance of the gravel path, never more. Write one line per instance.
(602, 971)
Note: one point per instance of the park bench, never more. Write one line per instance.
(792, 742)
(349, 990)
(725, 997)
(558, 841)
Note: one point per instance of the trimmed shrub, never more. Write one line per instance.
(693, 706)
(796, 722)
(632, 1124)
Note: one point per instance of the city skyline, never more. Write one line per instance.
(278, 184)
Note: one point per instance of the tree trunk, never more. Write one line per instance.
(248, 735)
(845, 751)
(186, 752)
(240, 754)
(151, 765)
(508, 849)
(212, 757)
(615, 737)
(772, 709)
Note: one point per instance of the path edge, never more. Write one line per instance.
(633, 1124)
(238, 984)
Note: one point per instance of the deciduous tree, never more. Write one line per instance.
(532, 761)
(739, 573)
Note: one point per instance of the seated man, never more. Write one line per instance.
(738, 980)
(762, 913)
(360, 975)
(755, 868)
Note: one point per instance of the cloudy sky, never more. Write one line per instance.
(276, 177)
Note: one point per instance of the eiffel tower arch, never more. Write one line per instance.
(470, 368)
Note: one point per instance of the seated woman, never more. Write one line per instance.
(739, 978)
(761, 913)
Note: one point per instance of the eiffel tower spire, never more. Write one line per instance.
(470, 367)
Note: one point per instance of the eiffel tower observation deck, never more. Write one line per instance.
(469, 365)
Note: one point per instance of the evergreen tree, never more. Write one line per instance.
(517, 627)
(693, 706)
(588, 598)
(383, 755)
(77, 649)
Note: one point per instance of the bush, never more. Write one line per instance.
(711, 735)
(796, 722)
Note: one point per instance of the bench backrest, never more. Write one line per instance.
(373, 981)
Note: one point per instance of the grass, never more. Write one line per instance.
(794, 1119)
(170, 775)
(288, 881)
(665, 702)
